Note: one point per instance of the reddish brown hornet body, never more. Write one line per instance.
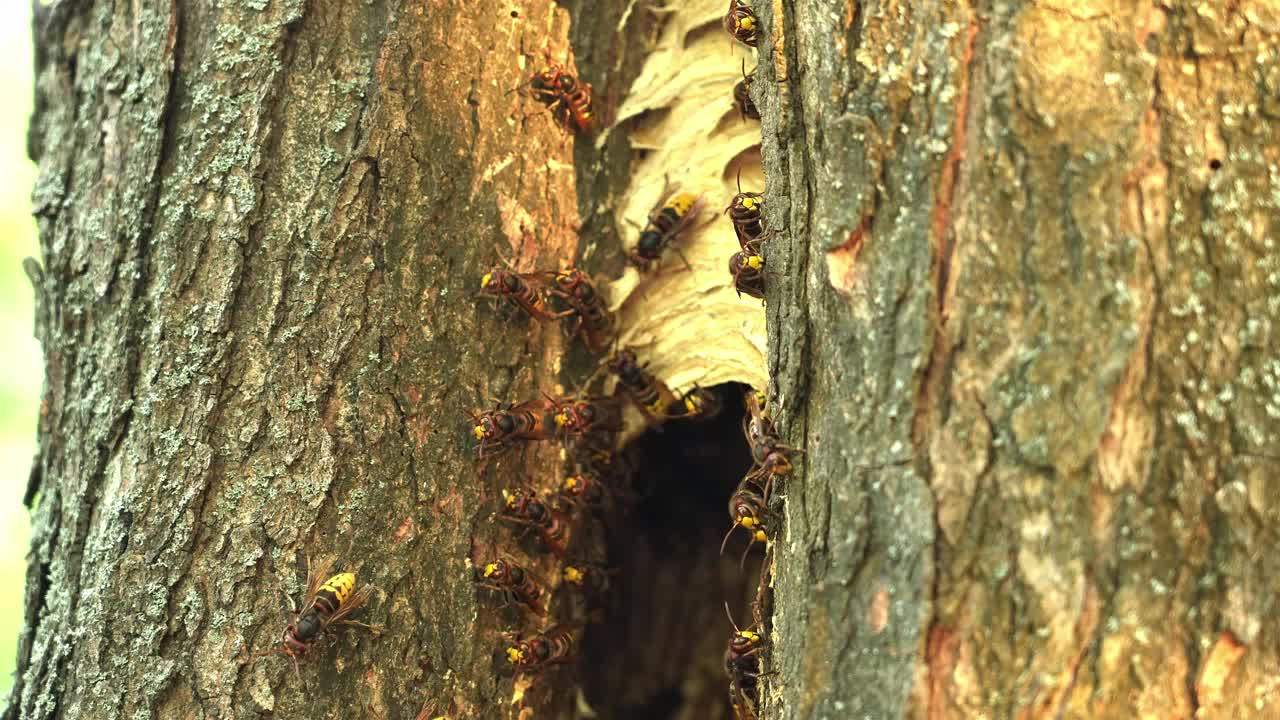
(742, 665)
(589, 578)
(747, 268)
(524, 290)
(595, 323)
(747, 509)
(741, 22)
(533, 654)
(744, 211)
(584, 489)
(650, 394)
(497, 430)
(523, 507)
(587, 416)
(513, 583)
(567, 97)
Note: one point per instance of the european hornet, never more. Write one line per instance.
(772, 460)
(597, 457)
(757, 423)
(673, 214)
(523, 507)
(748, 510)
(524, 290)
(545, 84)
(650, 394)
(594, 321)
(747, 268)
(514, 583)
(742, 665)
(327, 602)
(576, 99)
(700, 403)
(534, 654)
(587, 577)
(770, 457)
(741, 22)
(742, 94)
(584, 488)
(497, 430)
(567, 97)
(586, 416)
(744, 211)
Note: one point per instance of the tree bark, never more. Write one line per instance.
(263, 227)
(1023, 323)
(1019, 317)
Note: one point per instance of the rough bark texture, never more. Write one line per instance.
(262, 228)
(1021, 319)
(1024, 324)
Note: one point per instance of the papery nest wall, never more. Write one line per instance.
(689, 324)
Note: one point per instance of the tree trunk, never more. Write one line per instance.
(1022, 321)
(1019, 318)
(263, 229)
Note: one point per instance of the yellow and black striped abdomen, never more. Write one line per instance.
(678, 206)
(334, 592)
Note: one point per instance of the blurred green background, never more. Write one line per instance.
(20, 383)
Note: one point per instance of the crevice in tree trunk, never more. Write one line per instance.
(657, 652)
(256, 303)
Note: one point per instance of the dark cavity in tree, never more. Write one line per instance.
(657, 652)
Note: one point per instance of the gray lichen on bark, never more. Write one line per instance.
(261, 236)
(1021, 318)
(850, 332)
(1036, 241)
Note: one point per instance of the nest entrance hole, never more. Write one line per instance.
(657, 651)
